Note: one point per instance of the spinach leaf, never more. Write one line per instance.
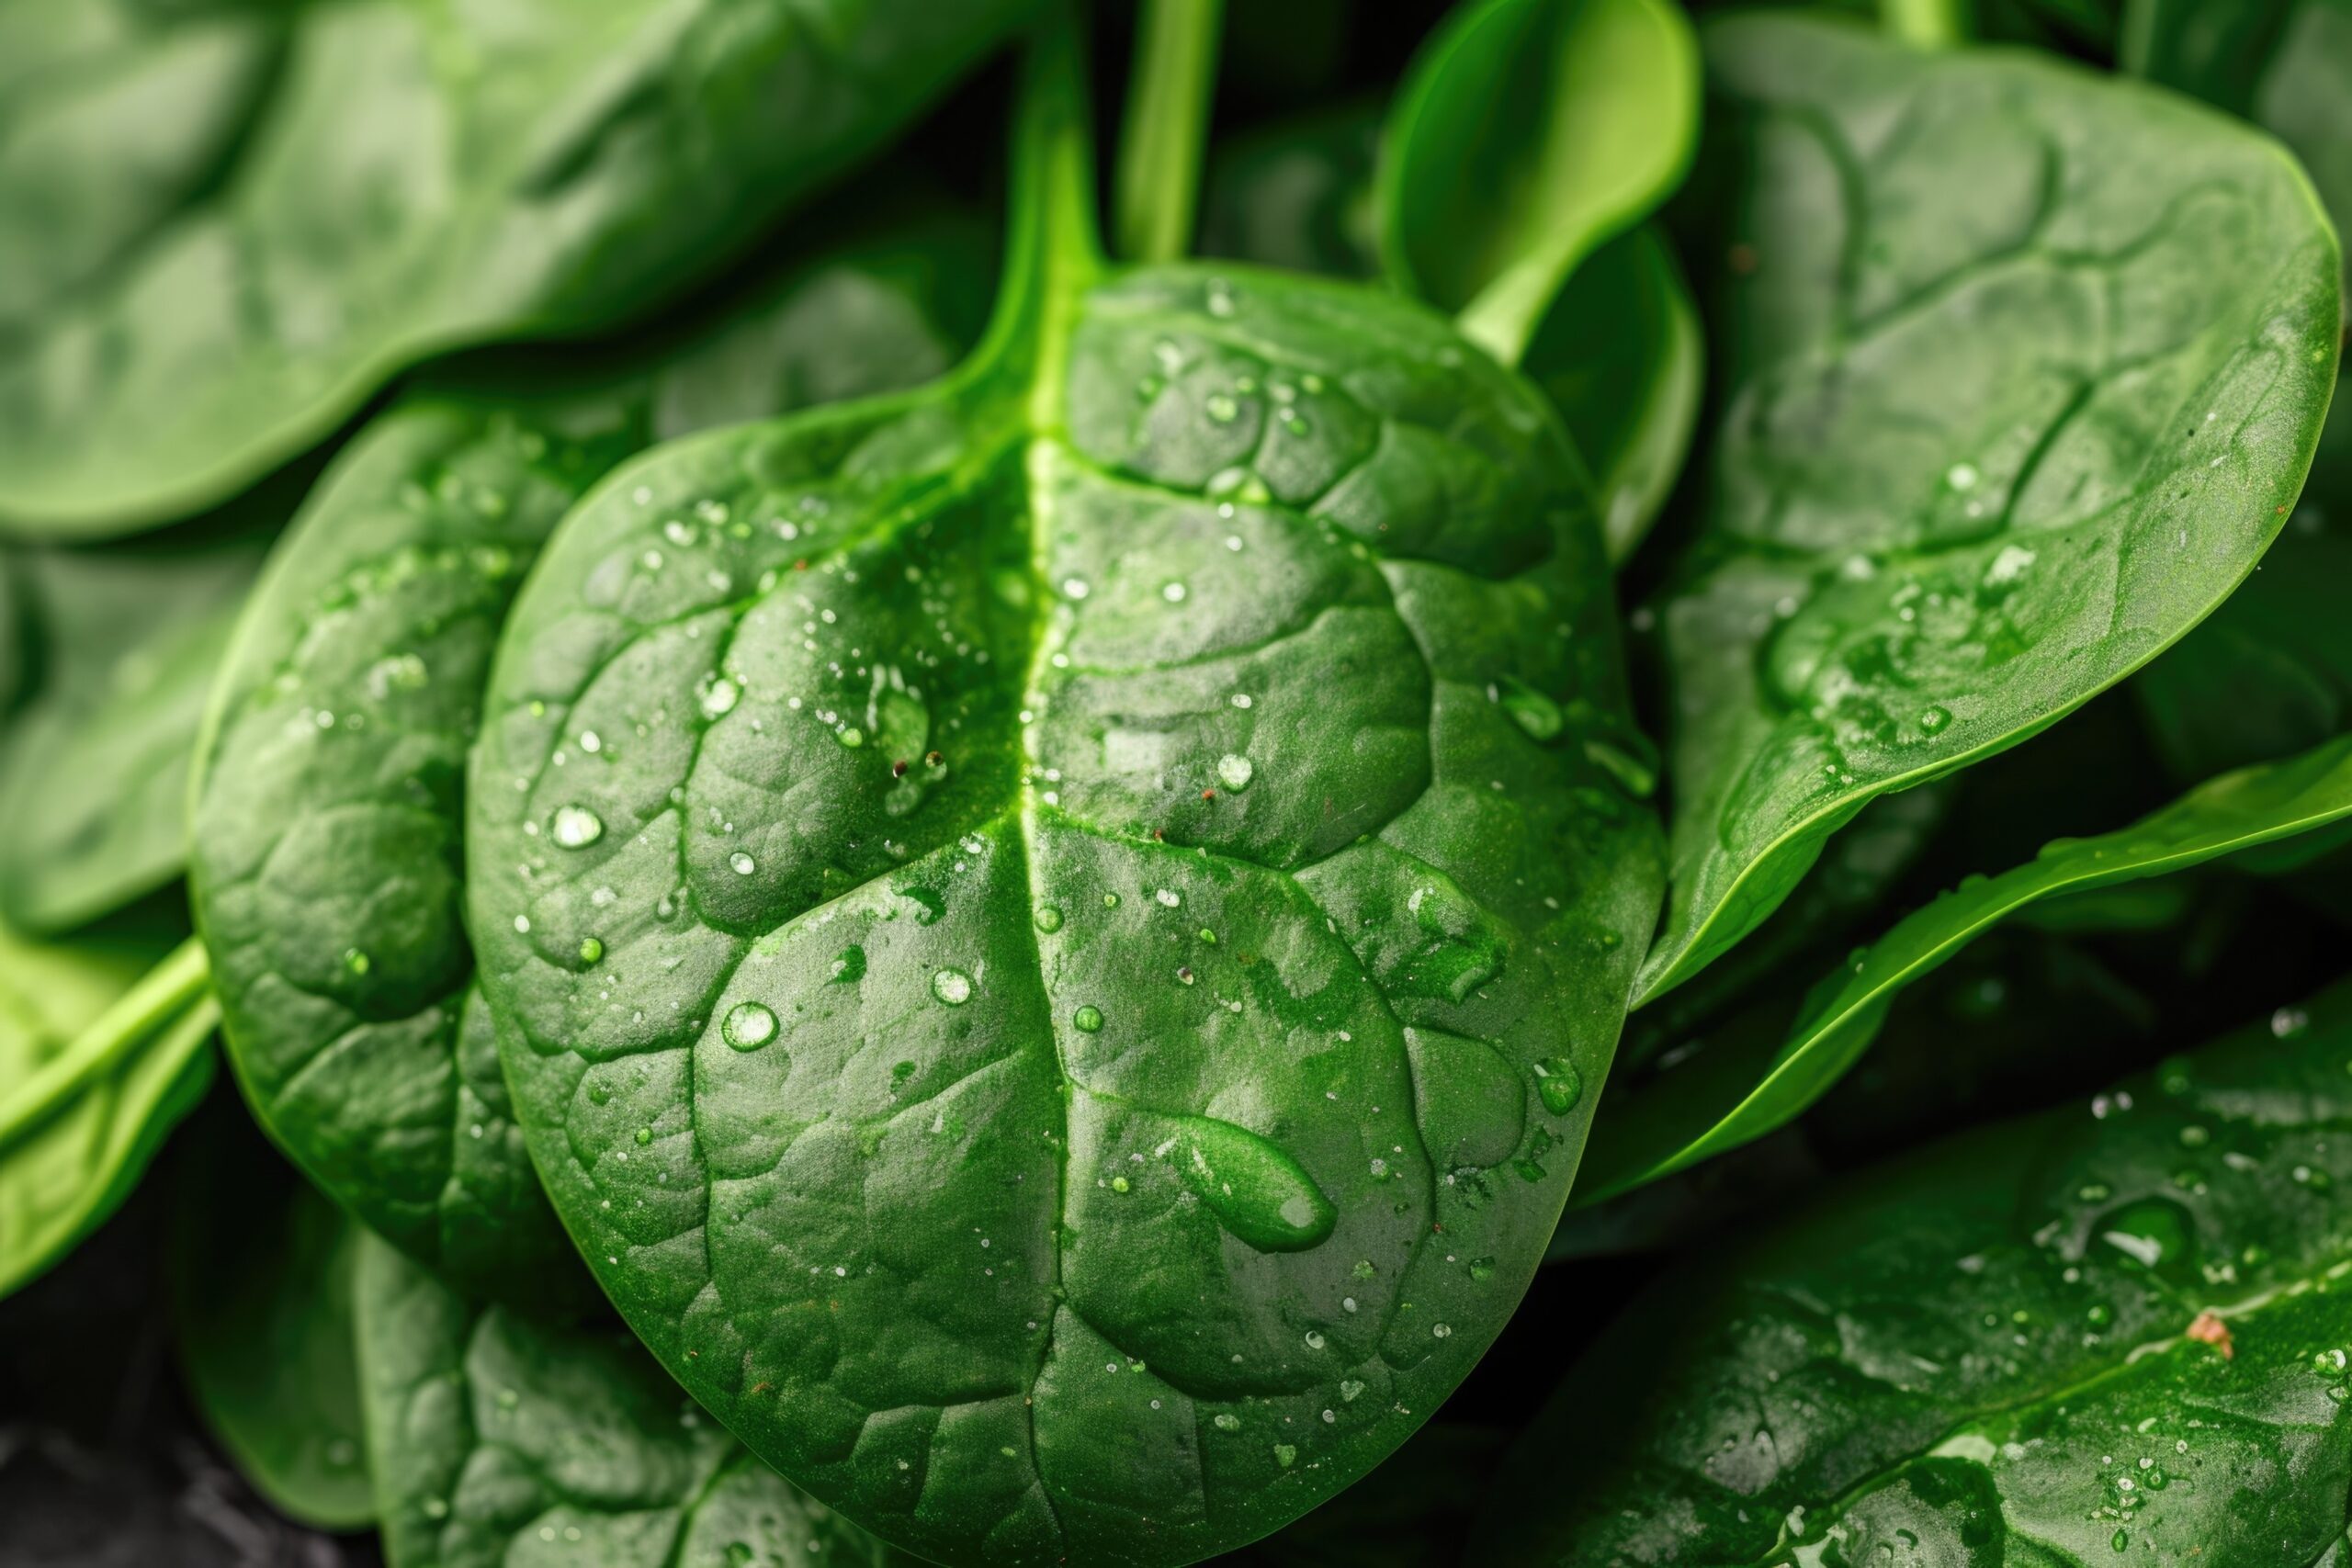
(1726, 1097)
(496, 1440)
(1526, 132)
(412, 178)
(1618, 353)
(260, 1272)
(2057, 1340)
(1298, 196)
(2024, 369)
(97, 1063)
(93, 773)
(329, 797)
(1050, 933)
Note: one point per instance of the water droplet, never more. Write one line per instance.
(1221, 407)
(1559, 1084)
(1962, 475)
(1234, 772)
(1173, 592)
(1089, 1018)
(1167, 899)
(1637, 775)
(592, 950)
(1534, 712)
(849, 966)
(719, 698)
(749, 1026)
(951, 986)
(644, 1136)
(575, 827)
(1227, 1421)
(1120, 1184)
(1933, 720)
(1285, 1455)
(1256, 1188)
(743, 864)
(851, 736)
(2288, 1022)
(1049, 918)
(357, 962)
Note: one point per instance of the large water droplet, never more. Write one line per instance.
(749, 1026)
(1254, 1187)
(1234, 772)
(575, 827)
(719, 698)
(1559, 1084)
(2154, 1232)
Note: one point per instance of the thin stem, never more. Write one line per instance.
(163, 994)
(1168, 114)
(1926, 24)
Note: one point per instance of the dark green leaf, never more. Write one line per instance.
(1117, 882)
(2104, 1334)
(261, 1282)
(1527, 133)
(330, 797)
(97, 1062)
(407, 179)
(1298, 196)
(1731, 1096)
(501, 1442)
(94, 772)
(2023, 370)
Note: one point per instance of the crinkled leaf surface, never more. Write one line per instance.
(259, 1268)
(501, 1442)
(2023, 368)
(94, 772)
(1053, 936)
(326, 870)
(97, 1062)
(1726, 1098)
(400, 178)
(2108, 1333)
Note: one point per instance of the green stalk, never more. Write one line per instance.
(1926, 24)
(164, 994)
(1167, 113)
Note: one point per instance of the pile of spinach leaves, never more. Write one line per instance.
(1486, 805)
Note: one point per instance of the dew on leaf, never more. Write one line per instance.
(1559, 1084)
(1257, 1189)
(749, 1026)
(951, 986)
(575, 827)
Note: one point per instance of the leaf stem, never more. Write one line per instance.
(1168, 114)
(163, 994)
(1926, 24)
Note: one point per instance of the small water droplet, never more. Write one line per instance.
(749, 1026)
(1559, 1084)
(357, 962)
(2288, 1022)
(592, 950)
(951, 986)
(719, 698)
(743, 864)
(1089, 1018)
(1049, 918)
(575, 827)
(1933, 720)
(1234, 772)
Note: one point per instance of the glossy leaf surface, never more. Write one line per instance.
(1730, 1096)
(498, 1440)
(97, 1062)
(2107, 1333)
(2023, 371)
(327, 872)
(260, 1274)
(1527, 133)
(94, 772)
(1051, 934)
(396, 180)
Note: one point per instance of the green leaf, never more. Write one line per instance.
(405, 180)
(1618, 353)
(1118, 886)
(1526, 133)
(1730, 1095)
(2102, 1334)
(1298, 196)
(260, 1273)
(2023, 370)
(94, 772)
(97, 1063)
(1167, 125)
(498, 1440)
(329, 795)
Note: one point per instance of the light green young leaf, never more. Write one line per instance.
(329, 799)
(1729, 1097)
(270, 210)
(1526, 133)
(259, 1268)
(97, 1062)
(2111, 1332)
(1143, 810)
(2024, 369)
(498, 1441)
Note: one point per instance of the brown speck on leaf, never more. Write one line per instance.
(1741, 259)
(1208, 794)
(2208, 1328)
(898, 769)
(763, 1388)
(800, 565)
(1157, 837)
